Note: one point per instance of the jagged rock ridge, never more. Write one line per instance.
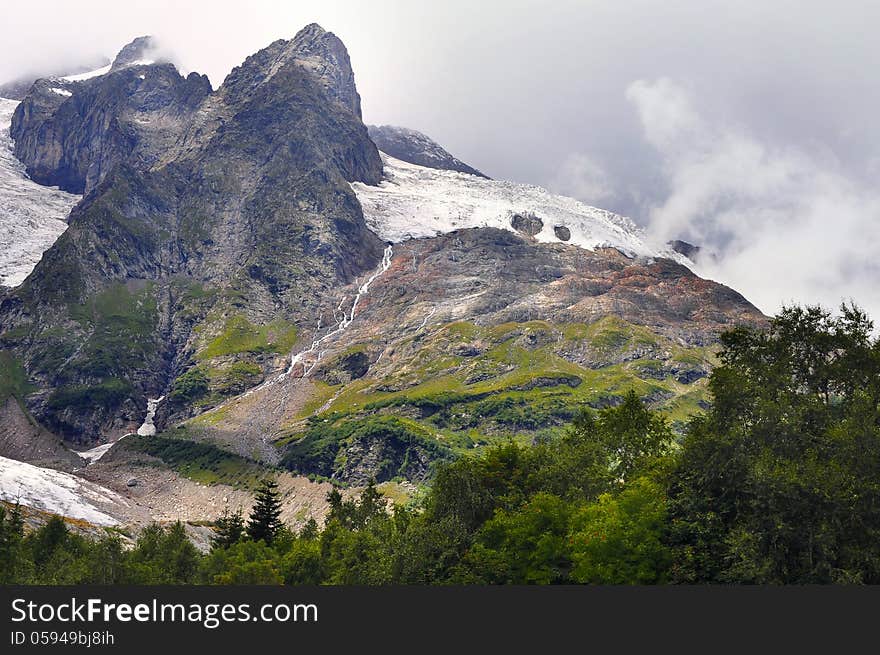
(416, 148)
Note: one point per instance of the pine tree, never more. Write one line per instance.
(229, 529)
(264, 523)
(310, 530)
(12, 558)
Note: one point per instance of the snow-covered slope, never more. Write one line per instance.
(57, 492)
(414, 201)
(32, 216)
(104, 70)
(87, 75)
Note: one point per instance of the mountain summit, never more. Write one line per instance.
(141, 50)
(313, 49)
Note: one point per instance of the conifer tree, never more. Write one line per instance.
(264, 523)
(11, 554)
(229, 529)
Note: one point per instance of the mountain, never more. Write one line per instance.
(416, 148)
(205, 212)
(281, 293)
(478, 327)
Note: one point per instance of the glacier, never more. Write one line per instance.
(417, 202)
(32, 216)
(56, 492)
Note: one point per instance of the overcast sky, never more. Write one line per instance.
(748, 127)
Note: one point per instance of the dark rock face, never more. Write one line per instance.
(527, 224)
(200, 206)
(348, 367)
(133, 115)
(562, 233)
(325, 56)
(141, 49)
(416, 148)
(22, 440)
(684, 248)
(319, 53)
(383, 456)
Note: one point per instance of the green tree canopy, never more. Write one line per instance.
(264, 522)
(780, 482)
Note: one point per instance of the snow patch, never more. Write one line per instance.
(416, 202)
(56, 492)
(147, 428)
(32, 216)
(62, 92)
(87, 75)
(92, 455)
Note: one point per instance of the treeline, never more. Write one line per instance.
(779, 482)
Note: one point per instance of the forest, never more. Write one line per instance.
(778, 482)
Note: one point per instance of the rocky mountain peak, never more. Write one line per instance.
(142, 50)
(318, 53)
(324, 54)
(416, 148)
(235, 250)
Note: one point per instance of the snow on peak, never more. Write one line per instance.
(415, 202)
(87, 75)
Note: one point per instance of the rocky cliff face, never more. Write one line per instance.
(212, 221)
(416, 148)
(314, 51)
(143, 50)
(32, 216)
(73, 134)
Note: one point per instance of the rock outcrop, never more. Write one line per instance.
(73, 134)
(527, 224)
(143, 49)
(416, 148)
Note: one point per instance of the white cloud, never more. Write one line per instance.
(580, 177)
(787, 225)
(665, 112)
